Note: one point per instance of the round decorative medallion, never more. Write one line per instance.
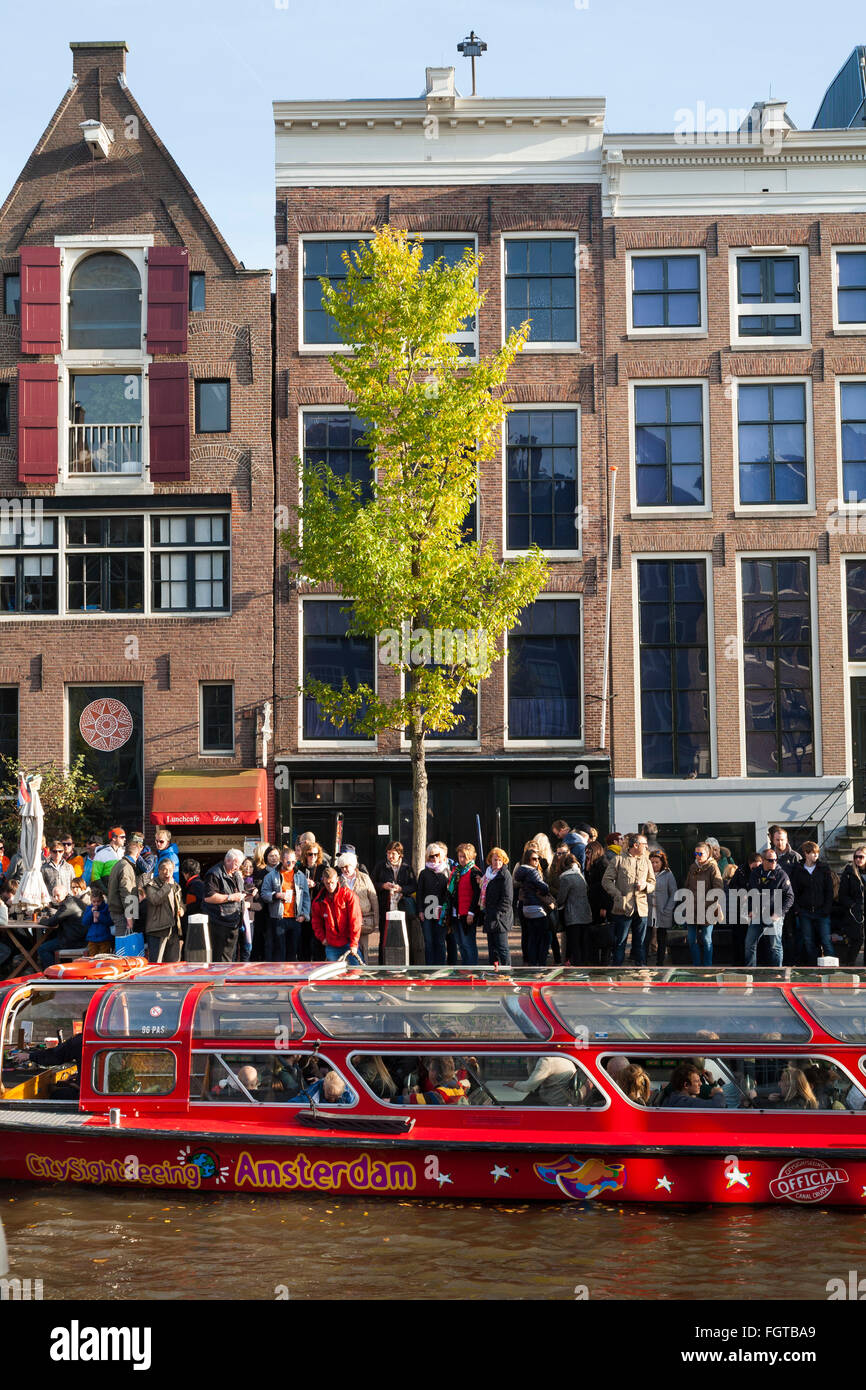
(105, 725)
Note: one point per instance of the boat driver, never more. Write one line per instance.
(65, 1053)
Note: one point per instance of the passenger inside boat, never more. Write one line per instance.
(743, 1083)
(41, 1046)
(64, 1056)
(482, 1079)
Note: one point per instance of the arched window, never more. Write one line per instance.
(105, 303)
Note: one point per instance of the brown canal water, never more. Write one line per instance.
(105, 1244)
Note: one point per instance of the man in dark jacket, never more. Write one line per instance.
(787, 858)
(736, 909)
(776, 897)
(224, 904)
(66, 917)
(812, 883)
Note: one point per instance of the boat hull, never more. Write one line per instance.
(314, 1164)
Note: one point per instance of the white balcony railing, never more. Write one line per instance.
(104, 449)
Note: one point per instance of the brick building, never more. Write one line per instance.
(135, 471)
(735, 285)
(518, 180)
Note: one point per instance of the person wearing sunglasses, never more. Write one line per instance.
(775, 898)
(852, 903)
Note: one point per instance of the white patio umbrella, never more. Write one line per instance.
(31, 891)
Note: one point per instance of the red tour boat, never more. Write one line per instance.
(622, 1085)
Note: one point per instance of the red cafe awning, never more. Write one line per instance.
(210, 798)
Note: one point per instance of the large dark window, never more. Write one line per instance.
(323, 260)
(544, 695)
(436, 249)
(855, 574)
(542, 479)
(666, 292)
(771, 421)
(852, 406)
(190, 563)
(335, 437)
(467, 722)
(212, 407)
(9, 721)
(541, 285)
(851, 286)
(4, 407)
(669, 445)
(777, 656)
(674, 668)
(768, 281)
(105, 303)
(331, 656)
(105, 564)
(12, 295)
(28, 565)
(106, 725)
(217, 718)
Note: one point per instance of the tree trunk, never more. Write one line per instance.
(418, 756)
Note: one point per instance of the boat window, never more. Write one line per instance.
(483, 1014)
(483, 1079)
(267, 1078)
(735, 1083)
(137, 1011)
(45, 1017)
(677, 1014)
(140, 1072)
(840, 1012)
(229, 1011)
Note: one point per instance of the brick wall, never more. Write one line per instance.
(307, 379)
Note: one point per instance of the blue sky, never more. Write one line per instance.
(206, 71)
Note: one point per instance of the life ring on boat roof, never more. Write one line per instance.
(96, 968)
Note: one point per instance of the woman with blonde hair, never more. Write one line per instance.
(636, 1084)
(794, 1091)
(540, 845)
(496, 902)
(463, 894)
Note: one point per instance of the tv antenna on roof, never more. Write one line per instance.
(473, 47)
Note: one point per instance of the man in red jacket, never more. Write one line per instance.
(337, 919)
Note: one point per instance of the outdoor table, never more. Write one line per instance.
(10, 929)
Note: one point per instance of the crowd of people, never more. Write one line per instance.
(584, 902)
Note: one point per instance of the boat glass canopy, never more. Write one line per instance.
(141, 1013)
(237, 1011)
(626, 1012)
(485, 1013)
(840, 1012)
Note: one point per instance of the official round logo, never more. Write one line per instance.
(806, 1180)
(105, 724)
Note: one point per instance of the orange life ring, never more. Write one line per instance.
(96, 968)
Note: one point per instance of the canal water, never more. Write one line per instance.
(103, 1243)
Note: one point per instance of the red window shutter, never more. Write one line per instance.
(40, 298)
(168, 384)
(37, 422)
(167, 298)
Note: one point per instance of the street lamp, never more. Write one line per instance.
(473, 47)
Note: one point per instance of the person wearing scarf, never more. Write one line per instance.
(496, 901)
(432, 891)
(463, 894)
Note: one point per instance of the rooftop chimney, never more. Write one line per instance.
(109, 57)
(441, 91)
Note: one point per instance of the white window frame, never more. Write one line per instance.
(320, 349)
(215, 752)
(576, 552)
(699, 330)
(541, 743)
(333, 408)
(774, 509)
(853, 328)
(706, 507)
(366, 745)
(673, 779)
(841, 505)
(810, 780)
(464, 239)
(148, 611)
(804, 338)
(561, 234)
(122, 361)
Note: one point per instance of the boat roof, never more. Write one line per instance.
(313, 972)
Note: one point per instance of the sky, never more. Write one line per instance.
(207, 71)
